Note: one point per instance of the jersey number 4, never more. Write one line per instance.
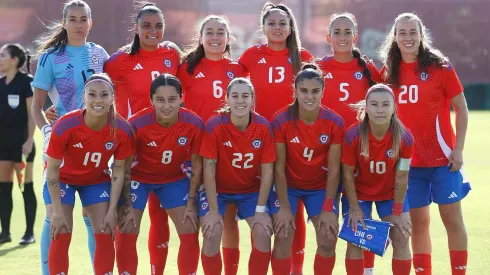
(238, 157)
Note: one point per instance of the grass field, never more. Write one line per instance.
(19, 260)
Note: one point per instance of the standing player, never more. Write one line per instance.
(347, 76)
(81, 145)
(17, 137)
(205, 73)
(380, 149)
(239, 157)
(272, 68)
(132, 69)
(165, 134)
(426, 86)
(66, 61)
(308, 136)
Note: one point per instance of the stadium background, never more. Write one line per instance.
(459, 29)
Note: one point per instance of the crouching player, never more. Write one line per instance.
(82, 142)
(165, 134)
(308, 141)
(239, 155)
(380, 148)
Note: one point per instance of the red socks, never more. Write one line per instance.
(211, 265)
(422, 264)
(159, 235)
(58, 261)
(104, 254)
(258, 264)
(323, 265)
(281, 266)
(188, 257)
(459, 260)
(368, 259)
(126, 254)
(231, 258)
(401, 267)
(354, 266)
(299, 241)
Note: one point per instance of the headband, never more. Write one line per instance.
(98, 79)
(378, 87)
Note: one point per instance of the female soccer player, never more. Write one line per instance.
(272, 68)
(66, 61)
(80, 147)
(307, 136)
(165, 134)
(239, 155)
(426, 86)
(348, 75)
(205, 73)
(379, 149)
(17, 137)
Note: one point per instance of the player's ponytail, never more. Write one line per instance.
(195, 51)
(391, 55)
(293, 42)
(236, 81)
(58, 38)
(142, 8)
(308, 71)
(363, 60)
(16, 50)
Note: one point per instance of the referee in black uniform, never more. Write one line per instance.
(16, 138)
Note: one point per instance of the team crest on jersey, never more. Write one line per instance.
(358, 75)
(182, 141)
(389, 153)
(323, 139)
(204, 205)
(133, 197)
(95, 60)
(62, 193)
(167, 63)
(277, 204)
(109, 145)
(230, 75)
(424, 76)
(257, 143)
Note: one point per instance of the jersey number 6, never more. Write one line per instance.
(239, 157)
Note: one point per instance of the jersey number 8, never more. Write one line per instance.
(239, 157)
(166, 157)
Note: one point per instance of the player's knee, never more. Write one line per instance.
(326, 244)
(398, 240)
(420, 223)
(211, 245)
(261, 240)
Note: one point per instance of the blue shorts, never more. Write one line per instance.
(384, 208)
(436, 184)
(171, 195)
(89, 194)
(312, 199)
(245, 203)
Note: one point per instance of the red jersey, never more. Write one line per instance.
(345, 84)
(271, 73)
(205, 89)
(307, 146)
(376, 178)
(86, 152)
(239, 154)
(160, 151)
(423, 104)
(132, 76)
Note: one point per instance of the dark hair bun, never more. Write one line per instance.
(310, 66)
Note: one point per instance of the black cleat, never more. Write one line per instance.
(27, 239)
(5, 238)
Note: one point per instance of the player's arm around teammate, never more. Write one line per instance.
(380, 148)
(238, 145)
(308, 137)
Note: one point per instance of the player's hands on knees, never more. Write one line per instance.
(58, 222)
(456, 160)
(403, 224)
(284, 220)
(51, 114)
(190, 213)
(331, 223)
(209, 221)
(263, 219)
(109, 222)
(356, 216)
(126, 218)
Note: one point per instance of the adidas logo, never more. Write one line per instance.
(104, 195)
(452, 196)
(228, 143)
(461, 267)
(138, 67)
(302, 251)
(78, 145)
(152, 144)
(62, 273)
(200, 75)
(69, 67)
(329, 76)
(262, 61)
(163, 245)
(125, 273)
(294, 140)
(419, 269)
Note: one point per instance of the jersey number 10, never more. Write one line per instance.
(377, 166)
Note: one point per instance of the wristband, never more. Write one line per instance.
(260, 208)
(328, 205)
(397, 209)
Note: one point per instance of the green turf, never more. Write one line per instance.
(19, 260)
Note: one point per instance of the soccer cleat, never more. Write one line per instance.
(27, 239)
(5, 238)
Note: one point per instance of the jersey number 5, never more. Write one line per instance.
(344, 90)
(94, 157)
(239, 156)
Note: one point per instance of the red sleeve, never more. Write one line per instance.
(241, 71)
(209, 145)
(245, 59)
(197, 141)
(349, 153)
(306, 56)
(375, 74)
(382, 74)
(57, 144)
(112, 66)
(279, 135)
(452, 85)
(338, 134)
(127, 146)
(269, 152)
(406, 150)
